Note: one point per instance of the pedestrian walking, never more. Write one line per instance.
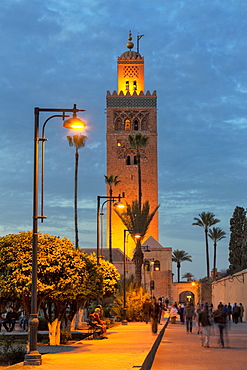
(241, 314)
(160, 303)
(181, 312)
(198, 323)
(167, 302)
(146, 310)
(154, 314)
(189, 315)
(220, 318)
(173, 314)
(204, 320)
(229, 309)
(235, 313)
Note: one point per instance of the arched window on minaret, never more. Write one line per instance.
(127, 125)
(136, 125)
(127, 85)
(135, 159)
(128, 160)
(134, 85)
(144, 124)
(118, 124)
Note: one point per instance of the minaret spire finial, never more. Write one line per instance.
(130, 44)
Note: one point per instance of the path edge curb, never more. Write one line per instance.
(148, 362)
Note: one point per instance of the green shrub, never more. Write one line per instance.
(43, 325)
(10, 354)
(65, 336)
(135, 297)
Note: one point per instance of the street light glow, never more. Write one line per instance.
(74, 123)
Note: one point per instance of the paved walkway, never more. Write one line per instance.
(126, 348)
(179, 350)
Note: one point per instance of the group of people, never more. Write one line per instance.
(205, 317)
(152, 310)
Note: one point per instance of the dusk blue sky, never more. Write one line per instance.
(55, 53)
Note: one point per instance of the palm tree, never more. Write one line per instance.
(138, 220)
(178, 257)
(205, 220)
(216, 234)
(137, 142)
(77, 141)
(188, 276)
(111, 180)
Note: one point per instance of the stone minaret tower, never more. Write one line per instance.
(129, 111)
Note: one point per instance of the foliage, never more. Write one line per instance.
(178, 257)
(77, 141)
(60, 268)
(188, 276)
(216, 234)
(10, 354)
(135, 297)
(205, 220)
(238, 240)
(137, 219)
(65, 336)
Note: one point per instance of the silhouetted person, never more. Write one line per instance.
(11, 317)
(146, 310)
(235, 313)
(189, 314)
(220, 319)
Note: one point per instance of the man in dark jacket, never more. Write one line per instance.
(154, 314)
(204, 320)
(220, 318)
(11, 317)
(189, 314)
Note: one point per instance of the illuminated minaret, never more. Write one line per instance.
(129, 111)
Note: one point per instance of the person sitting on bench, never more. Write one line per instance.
(96, 319)
(11, 317)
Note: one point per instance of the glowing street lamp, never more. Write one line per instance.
(118, 204)
(33, 357)
(137, 236)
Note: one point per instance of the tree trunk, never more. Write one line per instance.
(75, 200)
(215, 246)
(138, 260)
(178, 266)
(110, 226)
(54, 332)
(207, 255)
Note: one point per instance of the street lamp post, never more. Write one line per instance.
(137, 236)
(108, 199)
(33, 357)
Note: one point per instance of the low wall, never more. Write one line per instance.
(231, 289)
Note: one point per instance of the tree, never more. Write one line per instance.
(77, 141)
(188, 276)
(178, 257)
(216, 234)
(66, 277)
(137, 219)
(135, 297)
(205, 220)
(111, 180)
(137, 142)
(238, 239)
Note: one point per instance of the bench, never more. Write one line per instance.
(94, 329)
